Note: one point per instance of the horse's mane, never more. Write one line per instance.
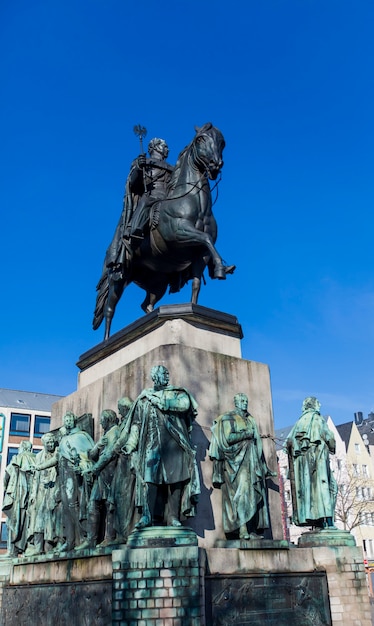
(178, 166)
(182, 155)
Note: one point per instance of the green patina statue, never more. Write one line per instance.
(100, 510)
(123, 485)
(313, 486)
(17, 485)
(167, 480)
(240, 471)
(111, 502)
(76, 493)
(44, 508)
(72, 461)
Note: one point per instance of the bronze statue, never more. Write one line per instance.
(44, 510)
(179, 241)
(72, 460)
(167, 481)
(313, 486)
(123, 486)
(240, 471)
(100, 511)
(17, 484)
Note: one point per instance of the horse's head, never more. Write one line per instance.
(208, 146)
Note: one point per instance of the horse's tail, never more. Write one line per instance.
(101, 300)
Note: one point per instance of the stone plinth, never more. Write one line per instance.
(343, 567)
(176, 583)
(159, 584)
(182, 324)
(201, 349)
(326, 537)
(63, 592)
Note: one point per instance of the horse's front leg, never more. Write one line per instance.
(188, 235)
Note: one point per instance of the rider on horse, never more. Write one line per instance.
(146, 183)
(180, 240)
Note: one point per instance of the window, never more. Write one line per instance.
(287, 495)
(42, 425)
(343, 488)
(19, 424)
(339, 464)
(358, 493)
(357, 448)
(356, 469)
(11, 453)
(3, 536)
(365, 471)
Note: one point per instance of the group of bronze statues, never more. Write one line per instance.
(142, 472)
(77, 494)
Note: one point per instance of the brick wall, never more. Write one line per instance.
(157, 587)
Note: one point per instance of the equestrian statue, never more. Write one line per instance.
(167, 232)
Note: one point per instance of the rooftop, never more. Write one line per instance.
(27, 400)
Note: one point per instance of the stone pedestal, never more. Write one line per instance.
(156, 579)
(189, 576)
(145, 584)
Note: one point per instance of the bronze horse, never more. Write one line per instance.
(181, 241)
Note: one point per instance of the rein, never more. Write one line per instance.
(197, 159)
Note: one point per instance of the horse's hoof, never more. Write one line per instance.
(147, 309)
(230, 269)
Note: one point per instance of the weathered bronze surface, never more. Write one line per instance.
(17, 485)
(240, 471)
(45, 529)
(167, 231)
(167, 479)
(72, 604)
(269, 600)
(313, 486)
(76, 494)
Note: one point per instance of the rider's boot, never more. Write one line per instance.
(221, 270)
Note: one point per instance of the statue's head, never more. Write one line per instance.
(49, 442)
(124, 405)
(70, 420)
(241, 401)
(159, 146)
(108, 418)
(25, 446)
(311, 403)
(160, 375)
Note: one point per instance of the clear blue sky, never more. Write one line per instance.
(289, 83)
